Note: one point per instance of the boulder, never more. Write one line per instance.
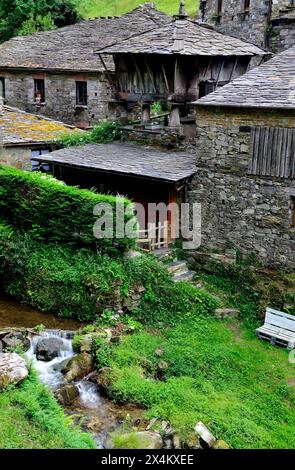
(221, 445)
(206, 437)
(67, 394)
(48, 348)
(13, 370)
(78, 367)
(104, 380)
(61, 366)
(145, 440)
(15, 340)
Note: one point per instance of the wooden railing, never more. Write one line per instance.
(155, 236)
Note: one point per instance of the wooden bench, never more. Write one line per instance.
(278, 329)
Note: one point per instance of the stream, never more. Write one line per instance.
(93, 412)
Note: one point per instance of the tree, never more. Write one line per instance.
(28, 16)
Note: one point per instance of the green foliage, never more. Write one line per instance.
(82, 284)
(236, 385)
(50, 211)
(103, 133)
(101, 353)
(165, 301)
(93, 8)
(35, 24)
(30, 418)
(28, 16)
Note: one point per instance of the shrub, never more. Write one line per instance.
(103, 133)
(49, 210)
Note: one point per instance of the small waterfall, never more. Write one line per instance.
(49, 372)
(88, 394)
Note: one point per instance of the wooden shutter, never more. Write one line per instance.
(272, 152)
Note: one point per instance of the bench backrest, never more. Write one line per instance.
(280, 319)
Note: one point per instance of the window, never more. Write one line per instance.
(39, 87)
(81, 93)
(2, 87)
(219, 7)
(246, 5)
(36, 164)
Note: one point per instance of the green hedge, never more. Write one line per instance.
(82, 284)
(49, 210)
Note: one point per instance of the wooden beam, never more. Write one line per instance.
(165, 78)
(150, 74)
(106, 70)
(219, 73)
(138, 72)
(233, 69)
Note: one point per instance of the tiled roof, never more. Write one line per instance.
(183, 36)
(126, 159)
(20, 128)
(71, 48)
(272, 85)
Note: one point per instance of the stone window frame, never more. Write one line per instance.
(39, 86)
(81, 93)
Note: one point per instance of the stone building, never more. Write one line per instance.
(245, 175)
(267, 23)
(61, 66)
(176, 64)
(24, 136)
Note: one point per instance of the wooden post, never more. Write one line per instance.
(146, 113)
(174, 118)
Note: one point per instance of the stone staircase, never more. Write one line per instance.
(177, 268)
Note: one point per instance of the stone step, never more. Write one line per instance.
(187, 276)
(178, 267)
(163, 253)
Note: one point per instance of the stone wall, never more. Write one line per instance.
(236, 22)
(240, 211)
(60, 96)
(282, 34)
(269, 23)
(18, 156)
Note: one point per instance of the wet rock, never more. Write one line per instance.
(13, 370)
(61, 366)
(221, 445)
(104, 380)
(139, 440)
(15, 339)
(78, 367)
(87, 340)
(67, 394)
(48, 348)
(206, 437)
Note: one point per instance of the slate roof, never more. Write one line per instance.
(272, 85)
(185, 37)
(21, 128)
(126, 159)
(71, 48)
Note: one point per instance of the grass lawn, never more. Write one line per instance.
(93, 8)
(219, 373)
(31, 419)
